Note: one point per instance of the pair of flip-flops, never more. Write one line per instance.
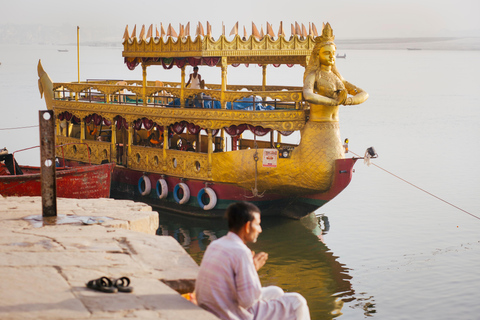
(107, 285)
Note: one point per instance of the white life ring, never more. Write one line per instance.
(162, 189)
(148, 185)
(186, 193)
(212, 196)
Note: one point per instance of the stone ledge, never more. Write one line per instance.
(44, 270)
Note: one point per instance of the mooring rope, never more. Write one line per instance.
(19, 127)
(413, 185)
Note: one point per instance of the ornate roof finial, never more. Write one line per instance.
(327, 36)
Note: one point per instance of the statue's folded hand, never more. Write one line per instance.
(342, 96)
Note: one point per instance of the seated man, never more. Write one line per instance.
(228, 284)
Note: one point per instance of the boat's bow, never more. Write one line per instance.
(45, 85)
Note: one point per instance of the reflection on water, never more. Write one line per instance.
(299, 259)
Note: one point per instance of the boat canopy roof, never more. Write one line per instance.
(180, 50)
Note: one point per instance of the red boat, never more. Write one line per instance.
(80, 182)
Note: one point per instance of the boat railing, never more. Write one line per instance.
(170, 94)
(89, 151)
(57, 146)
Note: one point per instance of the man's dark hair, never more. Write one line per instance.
(239, 213)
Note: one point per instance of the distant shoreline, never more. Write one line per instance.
(446, 43)
(431, 43)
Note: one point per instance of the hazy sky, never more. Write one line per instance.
(349, 18)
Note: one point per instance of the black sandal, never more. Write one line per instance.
(122, 284)
(102, 284)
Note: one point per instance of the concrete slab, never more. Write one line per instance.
(30, 292)
(44, 268)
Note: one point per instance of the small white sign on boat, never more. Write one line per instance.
(270, 158)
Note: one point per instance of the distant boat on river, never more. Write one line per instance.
(414, 49)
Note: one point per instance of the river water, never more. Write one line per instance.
(383, 248)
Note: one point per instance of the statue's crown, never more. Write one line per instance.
(327, 35)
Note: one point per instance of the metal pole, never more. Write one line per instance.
(144, 84)
(47, 162)
(78, 53)
(182, 87)
(264, 77)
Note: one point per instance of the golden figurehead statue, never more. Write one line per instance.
(324, 88)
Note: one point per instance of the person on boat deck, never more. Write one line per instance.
(155, 138)
(196, 83)
(228, 284)
(195, 79)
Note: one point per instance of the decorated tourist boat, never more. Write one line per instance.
(197, 149)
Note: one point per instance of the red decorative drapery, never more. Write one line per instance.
(121, 122)
(178, 127)
(192, 128)
(147, 123)
(137, 124)
(258, 130)
(68, 116)
(180, 62)
(234, 143)
(65, 116)
(194, 61)
(168, 63)
(131, 63)
(211, 61)
(237, 64)
(97, 119)
(235, 131)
